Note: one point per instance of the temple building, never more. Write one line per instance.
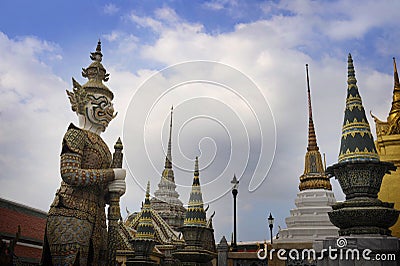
(309, 220)
(165, 228)
(21, 233)
(388, 147)
(146, 238)
(166, 200)
(148, 226)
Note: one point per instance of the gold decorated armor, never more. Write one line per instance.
(78, 207)
(85, 170)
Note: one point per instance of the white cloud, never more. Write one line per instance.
(214, 5)
(110, 9)
(166, 14)
(146, 22)
(32, 118)
(342, 20)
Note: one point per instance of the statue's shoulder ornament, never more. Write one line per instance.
(75, 139)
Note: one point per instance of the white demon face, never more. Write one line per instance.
(99, 110)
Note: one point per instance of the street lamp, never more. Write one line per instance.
(235, 183)
(271, 224)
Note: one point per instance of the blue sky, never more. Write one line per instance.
(45, 43)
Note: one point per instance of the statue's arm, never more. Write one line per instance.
(74, 175)
(71, 162)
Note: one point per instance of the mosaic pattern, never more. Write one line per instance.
(357, 143)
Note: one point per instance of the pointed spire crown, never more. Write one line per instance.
(357, 143)
(96, 73)
(195, 214)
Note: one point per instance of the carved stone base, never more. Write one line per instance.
(199, 246)
(142, 250)
(363, 216)
(362, 213)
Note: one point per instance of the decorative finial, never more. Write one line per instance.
(312, 138)
(97, 56)
(351, 75)
(148, 190)
(118, 145)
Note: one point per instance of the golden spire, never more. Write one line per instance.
(394, 114)
(312, 138)
(314, 173)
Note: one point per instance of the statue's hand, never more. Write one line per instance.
(117, 186)
(119, 173)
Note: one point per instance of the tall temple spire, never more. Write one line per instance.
(166, 199)
(314, 172)
(309, 221)
(168, 157)
(195, 214)
(394, 114)
(312, 138)
(357, 143)
(145, 229)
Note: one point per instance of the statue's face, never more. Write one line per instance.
(99, 110)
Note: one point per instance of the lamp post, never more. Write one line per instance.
(271, 224)
(235, 183)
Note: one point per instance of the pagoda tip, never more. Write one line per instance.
(148, 189)
(196, 166)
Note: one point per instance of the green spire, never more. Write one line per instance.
(145, 229)
(357, 143)
(195, 214)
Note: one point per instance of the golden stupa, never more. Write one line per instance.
(388, 147)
